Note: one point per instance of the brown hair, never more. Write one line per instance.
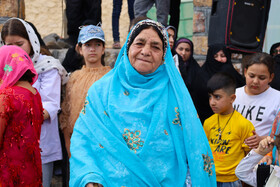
(14, 27)
(79, 45)
(259, 58)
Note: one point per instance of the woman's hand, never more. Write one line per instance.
(266, 159)
(265, 146)
(253, 141)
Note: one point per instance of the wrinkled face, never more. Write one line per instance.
(221, 102)
(171, 35)
(92, 51)
(257, 79)
(220, 57)
(146, 52)
(18, 41)
(184, 50)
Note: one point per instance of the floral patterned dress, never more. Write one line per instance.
(21, 116)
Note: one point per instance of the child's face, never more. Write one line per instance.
(257, 79)
(92, 51)
(18, 41)
(221, 102)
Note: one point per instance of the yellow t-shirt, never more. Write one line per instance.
(230, 149)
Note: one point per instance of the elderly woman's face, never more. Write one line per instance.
(146, 52)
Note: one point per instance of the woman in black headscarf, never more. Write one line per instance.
(218, 59)
(275, 53)
(275, 49)
(193, 77)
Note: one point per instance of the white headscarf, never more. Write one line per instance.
(47, 62)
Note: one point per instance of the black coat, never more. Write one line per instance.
(275, 83)
(212, 66)
(195, 81)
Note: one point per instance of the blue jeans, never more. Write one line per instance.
(229, 184)
(47, 170)
(117, 7)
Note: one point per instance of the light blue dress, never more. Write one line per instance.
(140, 130)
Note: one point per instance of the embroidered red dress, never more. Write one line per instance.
(21, 116)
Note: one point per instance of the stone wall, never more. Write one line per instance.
(48, 16)
(11, 8)
(201, 19)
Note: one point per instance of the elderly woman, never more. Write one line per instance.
(138, 126)
(275, 52)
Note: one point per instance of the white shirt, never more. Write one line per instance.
(260, 109)
(246, 171)
(176, 60)
(49, 86)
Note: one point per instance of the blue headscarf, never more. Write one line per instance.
(140, 130)
(275, 130)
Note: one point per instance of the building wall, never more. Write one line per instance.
(201, 19)
(46, 15)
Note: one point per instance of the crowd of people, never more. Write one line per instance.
(157, 118)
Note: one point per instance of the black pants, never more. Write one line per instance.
(81, 12)
(174, 13)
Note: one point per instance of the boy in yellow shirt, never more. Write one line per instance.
(226, 130)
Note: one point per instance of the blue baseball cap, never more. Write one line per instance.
(90, 32)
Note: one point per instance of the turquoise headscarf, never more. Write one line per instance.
(275, 130)
(140, 130)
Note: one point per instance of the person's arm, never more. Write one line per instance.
(50, 86)
(253, 141)
(245, 169)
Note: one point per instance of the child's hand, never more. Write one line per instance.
(253, 141)
(265, 146)
(46, 114)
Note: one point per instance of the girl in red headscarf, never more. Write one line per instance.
(21, 116)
